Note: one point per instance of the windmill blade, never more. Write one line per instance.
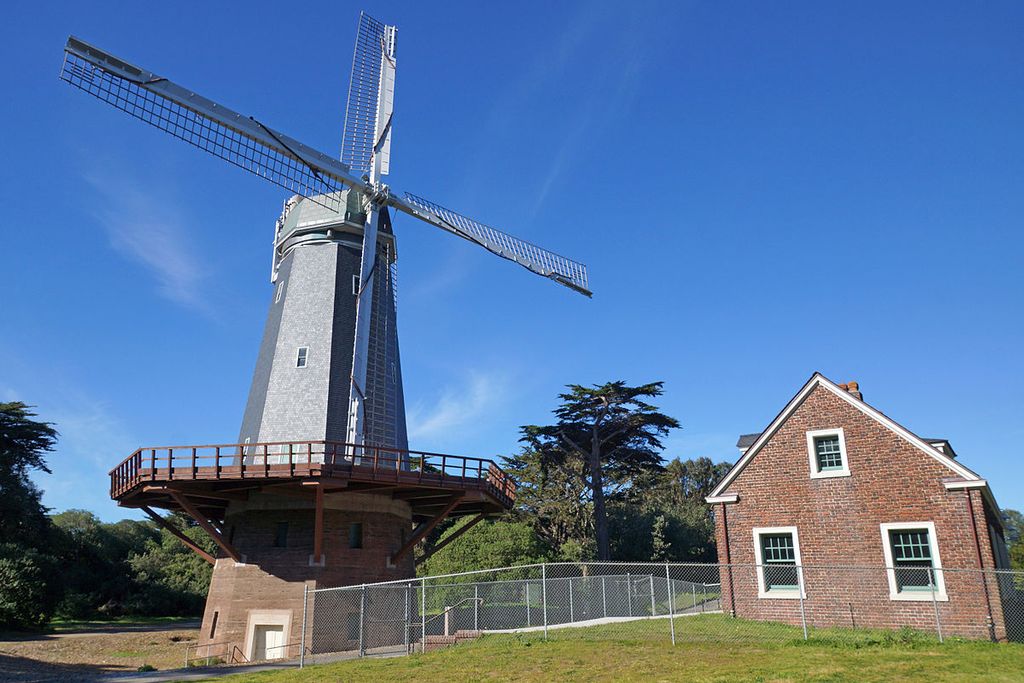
(371, 92)
(240, 140)
(541, 261)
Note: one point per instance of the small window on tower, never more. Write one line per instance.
(355, 535)
(300, 358)
(280, 291)
(281, 535)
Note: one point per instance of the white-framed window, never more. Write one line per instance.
(300, 357)
(280, 292)
(826, 451)
(777, 552)
(912, 561)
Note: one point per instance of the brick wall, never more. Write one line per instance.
(838, 524)
(272, 578)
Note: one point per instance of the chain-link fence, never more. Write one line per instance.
(664, 601)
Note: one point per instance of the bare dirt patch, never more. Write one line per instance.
(86, 655)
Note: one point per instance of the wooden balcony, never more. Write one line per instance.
(214, 475)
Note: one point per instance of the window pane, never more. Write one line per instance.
(779, 557)
(281, 535)
(355, 535)
(778, 548)
(830, 457)
(911, 559)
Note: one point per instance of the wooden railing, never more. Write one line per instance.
(287, 459)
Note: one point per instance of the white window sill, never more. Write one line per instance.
(779, 595)
(919, 596)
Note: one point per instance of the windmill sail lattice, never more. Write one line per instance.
(361, 129)
(203, 123)
(541, 261)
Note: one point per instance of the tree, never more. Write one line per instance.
(488, 545)
(555, 505)
(24, 443)
(29, 580)
(170, 578)
(98, 579)
(1013, 526)
(606, 438)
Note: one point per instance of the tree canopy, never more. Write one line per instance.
(606, 438)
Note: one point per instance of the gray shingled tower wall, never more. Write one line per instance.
(313, 306)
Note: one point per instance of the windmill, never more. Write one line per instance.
(325, 415)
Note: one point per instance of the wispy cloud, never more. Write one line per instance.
(610, 80)
(91, 437)
(149, 230)
(458, 407)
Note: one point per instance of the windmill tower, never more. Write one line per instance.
(321, 488)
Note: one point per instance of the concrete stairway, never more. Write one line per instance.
(438, 642)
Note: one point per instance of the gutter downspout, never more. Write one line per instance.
(981, 566)
(728, 561)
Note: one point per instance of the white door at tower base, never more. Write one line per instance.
(268, 642)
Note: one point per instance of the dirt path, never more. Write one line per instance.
(91, 653)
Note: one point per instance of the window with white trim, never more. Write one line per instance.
(912, 561)
(300, 357)
(826, 451)
(777, 551)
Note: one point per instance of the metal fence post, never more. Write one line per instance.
(362, 622)
(544, 596)
(572, 611)
(629, 593)
(408, 616)
(604, 594)
(476, 606)
(694, 588)
(302, 638)
(935, 602)
(800, 592)
(671, 607)
(527, 603)
(423, 615)
(654, 610)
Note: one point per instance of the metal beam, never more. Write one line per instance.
(318, 526)
(189, 543)
(425, 529)
(202, 521)
(458, 532)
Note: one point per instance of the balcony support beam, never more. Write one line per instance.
(458, 532)
(174, 531)
(425, 528)
(202, 521)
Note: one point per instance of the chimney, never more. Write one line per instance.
(854, 390)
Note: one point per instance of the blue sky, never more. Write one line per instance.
(760, 190)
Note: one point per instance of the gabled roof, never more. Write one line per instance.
(819, 380)
(746, 440)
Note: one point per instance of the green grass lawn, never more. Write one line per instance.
(721, 650)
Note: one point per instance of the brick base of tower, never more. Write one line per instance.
(274, 535)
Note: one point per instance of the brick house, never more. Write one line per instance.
(838, 513)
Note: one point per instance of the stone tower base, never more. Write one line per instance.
(257, 604)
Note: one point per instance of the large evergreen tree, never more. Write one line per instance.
(29, 581)
(606, 438)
